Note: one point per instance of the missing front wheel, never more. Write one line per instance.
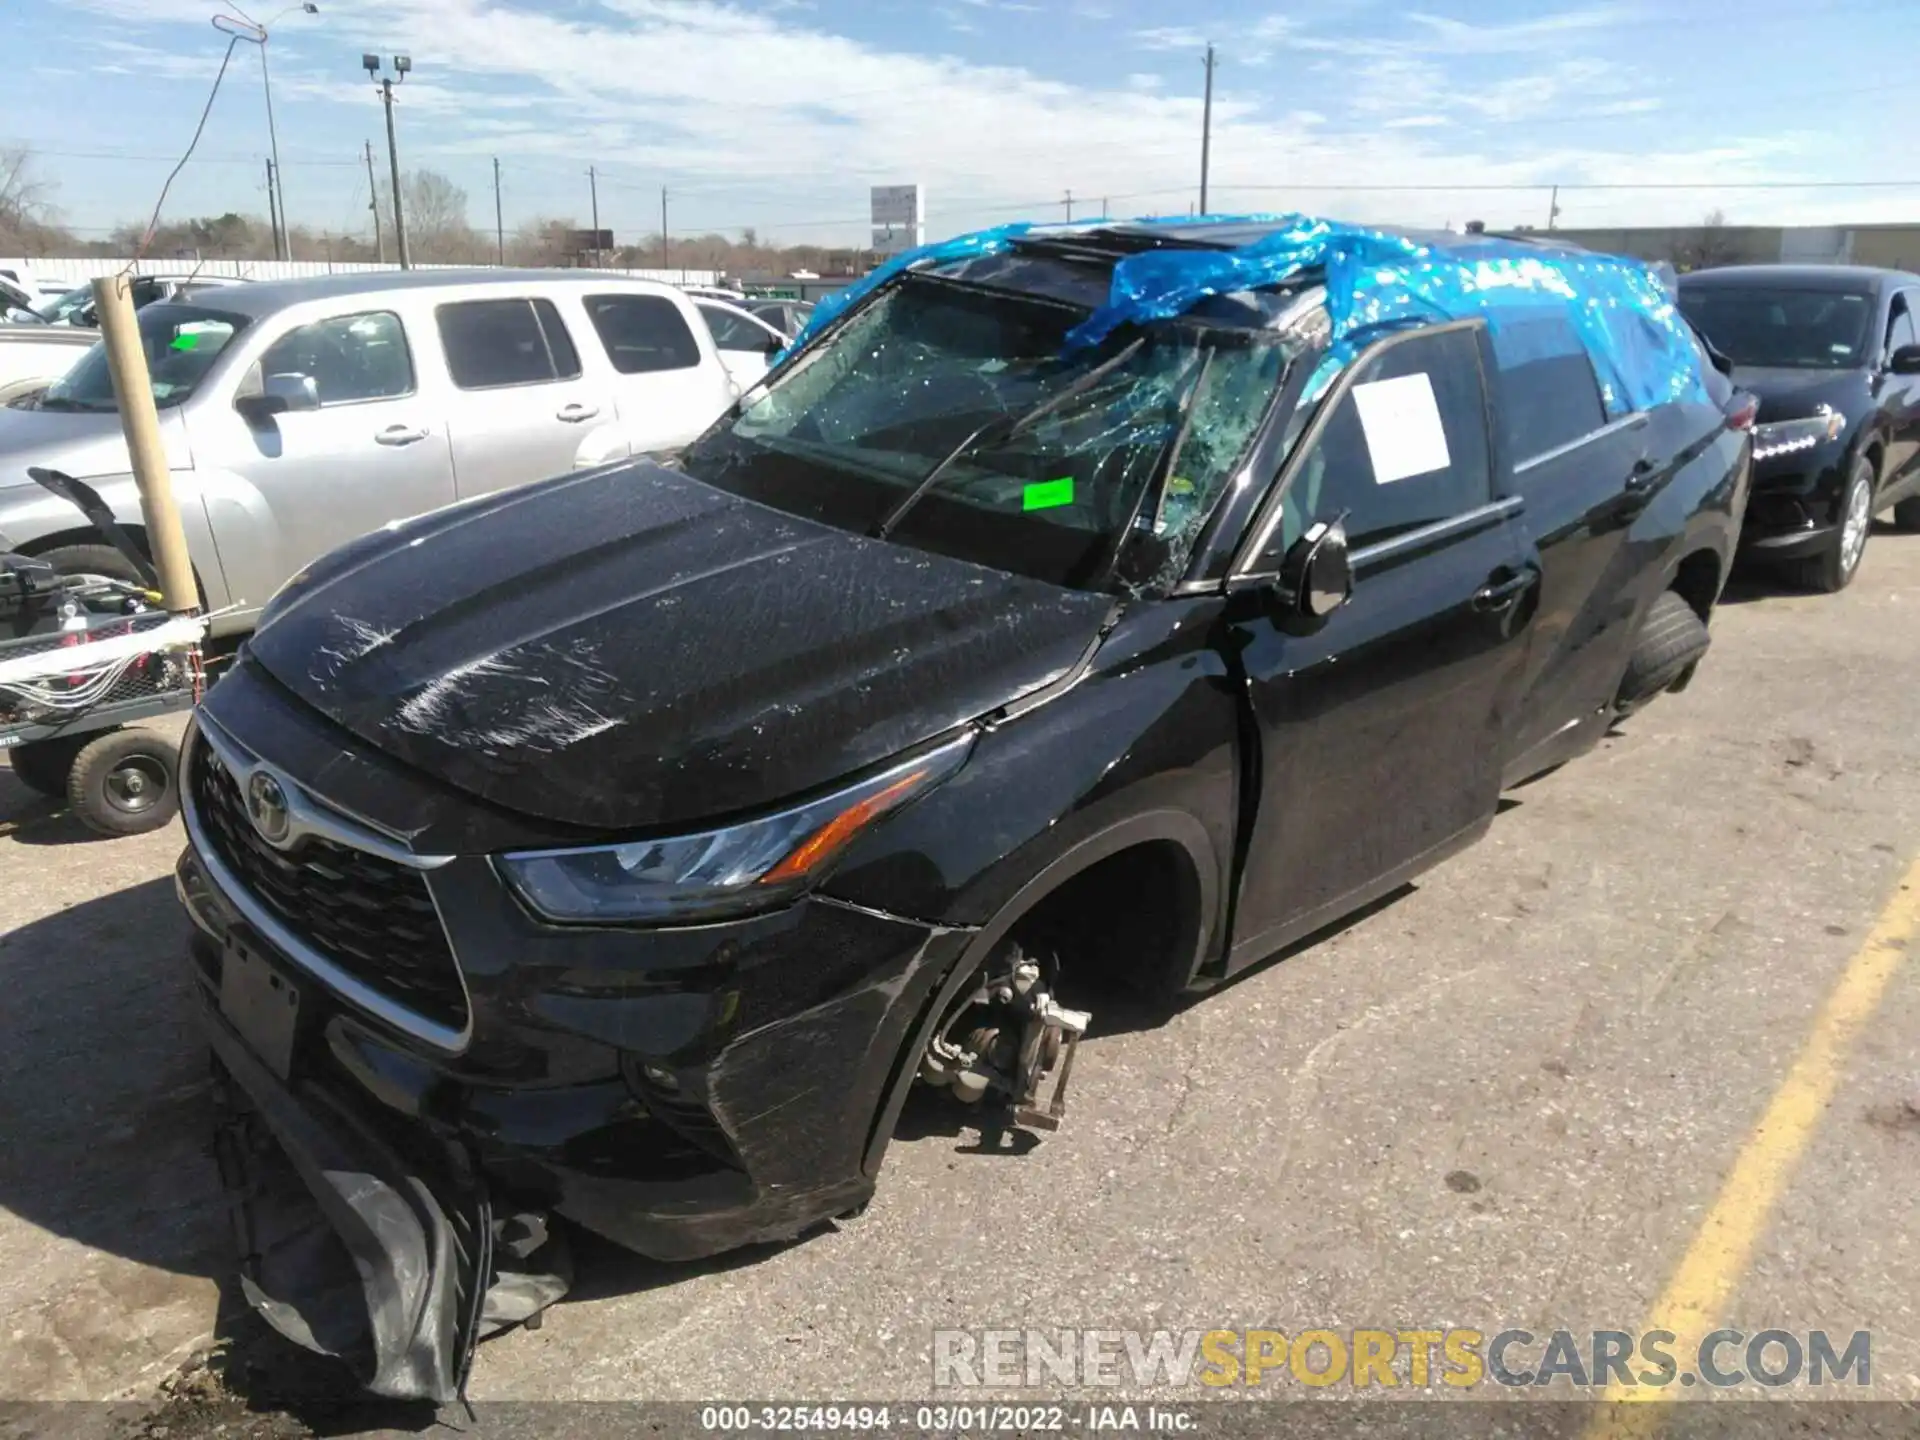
(1001, 1040)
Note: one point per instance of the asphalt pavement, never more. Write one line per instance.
(1551, 1086)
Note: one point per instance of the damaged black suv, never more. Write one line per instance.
(624, 847)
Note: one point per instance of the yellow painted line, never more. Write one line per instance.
(1694, 1301)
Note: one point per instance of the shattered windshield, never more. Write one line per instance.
(1138, 436)
(181, 341)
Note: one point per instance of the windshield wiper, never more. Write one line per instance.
(63, 402)
(1003, 429)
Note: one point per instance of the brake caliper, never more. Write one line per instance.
(1004, 1039)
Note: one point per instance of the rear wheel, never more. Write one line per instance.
(1671, 643)
(92, 560)
(43, 765)
(125, 782)
(1906, 515)
(1834, 568)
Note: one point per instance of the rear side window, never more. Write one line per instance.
(491, 343)
(349, 357)
(1900, 331)
(1549, 396)
(1405, 447)
(643, 333)
(734, 332)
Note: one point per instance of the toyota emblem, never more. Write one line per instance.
(267, 808)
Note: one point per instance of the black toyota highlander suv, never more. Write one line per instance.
(624, 847)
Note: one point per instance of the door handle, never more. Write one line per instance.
(1638, 491)
(574, 414)
(1501, 594)
(400, 435)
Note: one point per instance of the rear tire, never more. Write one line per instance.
(1906, 515)
(1833, 569)
(1670, 644)
(44, 765)
(125, 782)
(92, 560)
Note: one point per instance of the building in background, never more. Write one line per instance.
(899, 218)
(1695, 247)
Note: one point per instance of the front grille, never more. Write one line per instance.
(368, 915)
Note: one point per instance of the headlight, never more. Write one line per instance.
(1782, 437)
(755, 865)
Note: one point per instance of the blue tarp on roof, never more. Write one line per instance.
(1642, 351)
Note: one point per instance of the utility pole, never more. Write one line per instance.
(273, 211)
(499, 227)
(666, 250)
(1553, 208)
(402, 64)
(1103, 207)
(1069, 205)
(373, 204)
(1206, 133)
(593, 184)
(282, 242)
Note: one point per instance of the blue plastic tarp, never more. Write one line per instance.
(1642, 352)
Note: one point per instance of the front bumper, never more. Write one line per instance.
(722, 1095)
(1791, 508)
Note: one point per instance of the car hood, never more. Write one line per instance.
(83, 444)
(1792, 394)
(630, 648)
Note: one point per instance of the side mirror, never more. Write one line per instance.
(1905, 360)
(1316, 575)
(279, 395)
(775, 346)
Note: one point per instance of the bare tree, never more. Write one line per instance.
(26, 213)
(1707, 245)
(436, 211)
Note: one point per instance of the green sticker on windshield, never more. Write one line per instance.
(1046, 494)
(185, 341)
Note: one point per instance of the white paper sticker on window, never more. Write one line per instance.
(1402, 424)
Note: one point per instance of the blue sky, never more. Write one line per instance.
(778, 114)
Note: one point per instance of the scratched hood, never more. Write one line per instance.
(629, 648)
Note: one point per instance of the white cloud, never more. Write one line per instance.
(1461, 37)
(765, 117)
(1170, 37)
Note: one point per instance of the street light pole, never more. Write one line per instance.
(402, 64)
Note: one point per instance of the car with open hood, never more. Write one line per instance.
(1833, 354)
(1073, 606)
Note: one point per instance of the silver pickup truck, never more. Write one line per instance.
(300, 414)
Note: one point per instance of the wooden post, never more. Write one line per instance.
(140, 422)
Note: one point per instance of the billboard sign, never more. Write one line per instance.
(899, 216)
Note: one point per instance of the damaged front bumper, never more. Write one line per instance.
(680, 1094)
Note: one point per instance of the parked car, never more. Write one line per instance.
(747, 343)
(16, 304)
(34, 355)
(627, 846)
(1833, 353)
(75, 306)
(789, 317)
(299, 414)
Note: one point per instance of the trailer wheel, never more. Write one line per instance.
(44, 765)
(125, 782)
